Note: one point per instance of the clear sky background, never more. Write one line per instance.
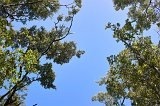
(76, 81)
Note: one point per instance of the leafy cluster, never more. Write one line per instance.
(21, 51)
(134, 73)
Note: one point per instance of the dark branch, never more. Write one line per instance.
(31, 3)
(148, 6)
(55, 40)
(13, 16)
(123, 101)
(13, 90)
(22, 4)
(141, 58)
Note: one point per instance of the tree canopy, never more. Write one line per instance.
(134, 73)
(21, 51)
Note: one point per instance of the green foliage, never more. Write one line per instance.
(29, 9)
(105, 98)
(47, 76)
(21, 51)
(134, 73)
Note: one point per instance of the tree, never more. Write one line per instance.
(21, 51)
(134, 73)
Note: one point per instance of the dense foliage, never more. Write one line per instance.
(134, 73)
(21, 51)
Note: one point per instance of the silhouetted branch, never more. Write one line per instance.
(123, 101)
(55, 40)
(13, 90)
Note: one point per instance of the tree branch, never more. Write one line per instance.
(12, 16)
(55, 40)
(17, 4)
(31, 3)
(123, 101)
(139, 57)
(13, 90)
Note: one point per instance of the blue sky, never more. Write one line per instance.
(76, 81)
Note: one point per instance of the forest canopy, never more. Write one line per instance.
(21, 51)
(134, 73)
